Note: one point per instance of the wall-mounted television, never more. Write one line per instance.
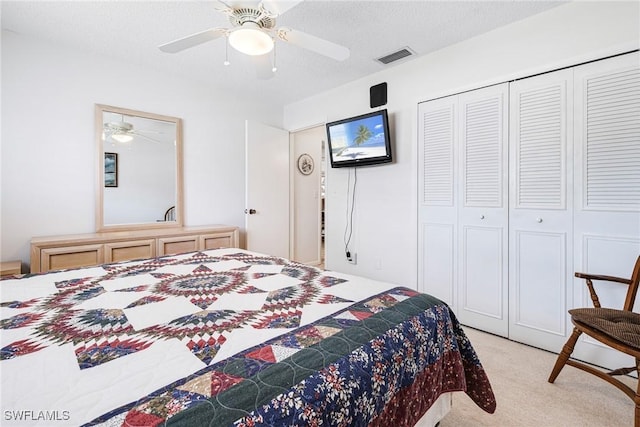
(360, 141)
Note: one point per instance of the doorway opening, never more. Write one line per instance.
(308, 206)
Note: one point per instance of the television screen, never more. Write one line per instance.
(360, 141)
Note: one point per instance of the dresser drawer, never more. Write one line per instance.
(71, 257)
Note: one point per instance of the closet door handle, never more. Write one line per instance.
(250, 211)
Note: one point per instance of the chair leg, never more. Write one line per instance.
(636, 399)
(565, 354)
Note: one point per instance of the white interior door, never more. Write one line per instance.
(267, 189)
(540, 214)
(607, 196)
(573, 200)
(463, 209)
(483, 209)
(437, 209)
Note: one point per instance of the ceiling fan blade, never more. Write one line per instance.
(219, 5)
(316, 44)
(264, 66)
(192, 40)
(278, 7)
(155, 141)
(141, 131)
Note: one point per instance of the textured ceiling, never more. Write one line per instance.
(132, 30)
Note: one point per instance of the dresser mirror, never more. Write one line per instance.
(139, 174)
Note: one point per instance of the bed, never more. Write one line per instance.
(227, 337)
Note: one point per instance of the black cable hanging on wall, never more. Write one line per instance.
(377, 98)
(348, 229)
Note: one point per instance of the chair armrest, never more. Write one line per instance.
(604, 278)
(592, 290)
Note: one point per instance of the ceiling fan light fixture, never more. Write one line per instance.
(122, 137)
(251, 40)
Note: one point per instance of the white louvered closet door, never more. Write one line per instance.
(437, 215)
(483, 209)
(540, 214)
(607, 177)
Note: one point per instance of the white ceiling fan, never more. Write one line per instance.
(123, 132)
(253, 31)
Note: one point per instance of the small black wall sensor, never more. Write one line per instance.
(378, 95)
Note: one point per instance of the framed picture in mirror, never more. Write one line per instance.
(110, 169)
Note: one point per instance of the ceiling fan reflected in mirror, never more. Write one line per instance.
(253, 31)
(123, 132)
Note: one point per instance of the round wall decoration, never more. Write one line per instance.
(305, 164)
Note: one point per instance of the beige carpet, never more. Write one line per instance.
(518, 375)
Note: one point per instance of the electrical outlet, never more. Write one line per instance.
(352, 258)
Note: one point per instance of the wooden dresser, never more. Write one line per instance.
(83, 250)
(9, 268)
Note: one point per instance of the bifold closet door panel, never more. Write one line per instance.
(483, 209)
(437, 208)
(607, 178)
(540, 208)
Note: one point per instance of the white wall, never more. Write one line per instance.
(385, 228)
(48, 153)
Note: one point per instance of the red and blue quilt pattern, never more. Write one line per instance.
(104, 334)
(339, 353)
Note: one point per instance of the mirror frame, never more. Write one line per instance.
(99, 123)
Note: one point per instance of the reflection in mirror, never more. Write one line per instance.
(140, 175)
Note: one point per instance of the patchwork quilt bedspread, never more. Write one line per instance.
(226, 337)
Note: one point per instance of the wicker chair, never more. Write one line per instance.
(618, 329)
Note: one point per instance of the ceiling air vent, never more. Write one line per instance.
(396, 56)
